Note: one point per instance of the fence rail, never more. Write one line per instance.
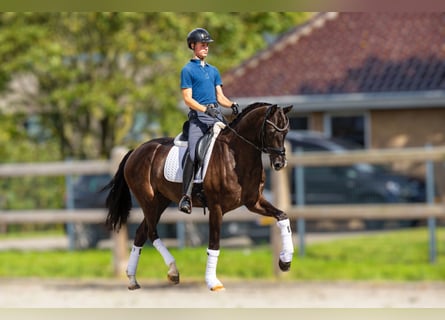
(280, 189)
(171, 215)
(49, 216)
(55, 168)
(436, 154)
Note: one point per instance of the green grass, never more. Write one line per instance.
(395, 256)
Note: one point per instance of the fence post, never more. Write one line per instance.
(120, 251)
(430, 193)
(70, 206)
(301, 224)
(120, 239)
(280, 186)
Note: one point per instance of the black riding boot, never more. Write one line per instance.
(185, 205)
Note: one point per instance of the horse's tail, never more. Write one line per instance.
(118, 200)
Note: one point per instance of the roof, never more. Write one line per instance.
(351, 54)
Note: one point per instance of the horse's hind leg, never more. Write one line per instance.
(173, 273)
(152, 220)
(139, 241)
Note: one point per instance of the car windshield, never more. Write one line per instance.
(92, 183)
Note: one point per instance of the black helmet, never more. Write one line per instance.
(198, 35)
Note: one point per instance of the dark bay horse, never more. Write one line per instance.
(234, 177)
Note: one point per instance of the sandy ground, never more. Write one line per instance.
(24, 293)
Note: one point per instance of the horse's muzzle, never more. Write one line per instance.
(278, 162)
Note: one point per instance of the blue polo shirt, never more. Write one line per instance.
(202, 80)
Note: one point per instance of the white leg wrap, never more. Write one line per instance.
(168, 258)
(212, 261)
(133, 260)
(286, 238)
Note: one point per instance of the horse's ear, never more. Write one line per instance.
(287, 109)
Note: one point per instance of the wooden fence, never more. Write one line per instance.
(280, 188)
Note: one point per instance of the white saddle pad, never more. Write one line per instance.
(173, 163)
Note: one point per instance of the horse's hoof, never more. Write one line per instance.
(134, 286)
(284, 266)
(174, 279)
(217, 288)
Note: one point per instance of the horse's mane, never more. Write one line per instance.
(246, 110)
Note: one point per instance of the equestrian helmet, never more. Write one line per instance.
(198, 35)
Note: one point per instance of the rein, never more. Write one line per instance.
(267, 150)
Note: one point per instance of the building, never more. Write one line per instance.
(375, 78)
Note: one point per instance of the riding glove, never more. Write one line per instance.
(235, 108)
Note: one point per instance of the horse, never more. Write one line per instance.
(235, 176)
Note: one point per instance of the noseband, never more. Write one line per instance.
(263, 148)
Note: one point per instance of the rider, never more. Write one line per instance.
(201, 87)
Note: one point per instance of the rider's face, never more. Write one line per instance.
(201, 49)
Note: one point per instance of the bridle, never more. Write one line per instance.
(263, 148)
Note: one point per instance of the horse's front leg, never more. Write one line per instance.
(215, 221)
(287, 245)
(263, 207)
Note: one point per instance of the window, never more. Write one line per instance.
(348, 127)
(298, 123)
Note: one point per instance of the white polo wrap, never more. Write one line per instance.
(286, 238)
(168, 258)
(212, 261)
(133, 260)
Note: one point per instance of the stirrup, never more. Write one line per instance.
(185, 205)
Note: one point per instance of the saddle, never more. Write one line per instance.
(177, 154)
(181, 140)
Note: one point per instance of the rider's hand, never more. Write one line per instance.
(235, 108)
(213, 112)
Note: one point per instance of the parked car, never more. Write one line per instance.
(86, 194)
(351, 184)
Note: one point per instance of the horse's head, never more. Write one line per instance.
(264, 127)
(273, 133)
